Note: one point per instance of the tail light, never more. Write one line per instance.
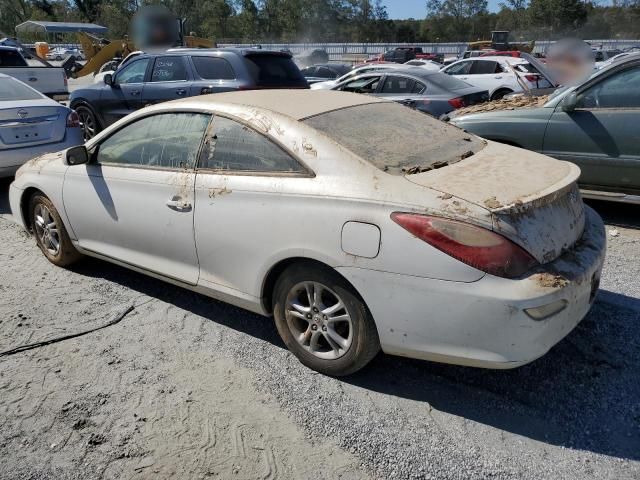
(531, 78)
(66, 80)
(73, 120)
(457, 102)
(475, 246)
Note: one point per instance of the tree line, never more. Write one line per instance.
(256, 21)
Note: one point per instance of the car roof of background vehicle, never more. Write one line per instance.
(501, 59)
(236, 50)
(296, 103)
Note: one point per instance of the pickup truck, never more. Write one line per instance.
(38, 74)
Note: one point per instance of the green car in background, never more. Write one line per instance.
(595, 125)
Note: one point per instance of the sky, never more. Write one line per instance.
(417, 8)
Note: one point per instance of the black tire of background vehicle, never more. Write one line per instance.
(88, 120)
(67, 253)
(498, 94)
(365, 344)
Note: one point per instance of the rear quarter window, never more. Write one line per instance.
(11, 90)
(11, 58)
(213, 68)
(276, 71)
(396, 139)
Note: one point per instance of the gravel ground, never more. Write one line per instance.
(189, 387)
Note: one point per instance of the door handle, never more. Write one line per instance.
(181, 91)
(33, 79)
(176, 203)
(499, 76)
(135, 93)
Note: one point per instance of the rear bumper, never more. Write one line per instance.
(484, 323)
(12, 159)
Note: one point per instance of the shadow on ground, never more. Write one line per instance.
(583, 394)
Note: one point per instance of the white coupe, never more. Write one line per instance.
(359, 224)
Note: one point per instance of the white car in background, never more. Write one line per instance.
(32, 124)
(426, 64)
(358, 70)
(499, 75)
(359, 224)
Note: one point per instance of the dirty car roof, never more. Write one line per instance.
(297, 104)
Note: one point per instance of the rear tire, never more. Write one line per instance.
(51, 235)
(323, 321)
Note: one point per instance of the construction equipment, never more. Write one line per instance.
(500, 42)
(103, 54)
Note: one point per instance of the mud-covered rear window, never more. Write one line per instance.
(395, 138)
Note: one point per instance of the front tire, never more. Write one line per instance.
(323, 321)
(88, 122)
(51, 235)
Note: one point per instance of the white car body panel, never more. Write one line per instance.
(425, 304)
(497, 81)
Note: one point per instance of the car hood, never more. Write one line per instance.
(533, 199)
(515, 115)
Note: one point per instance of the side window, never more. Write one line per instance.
(239, 148)
(483, 67)
(395, 84)
(461, 68)
(11, 58)
(621, 90)
(419, 87)
(308, 72)
(213, 68)
(169, 69)
(168, 140)
(133, 73)
(362, 85)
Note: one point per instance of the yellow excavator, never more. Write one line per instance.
(153, 27)
(500, 42)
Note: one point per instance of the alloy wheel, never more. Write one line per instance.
(319, 320)
(47, 229)
(88, 123)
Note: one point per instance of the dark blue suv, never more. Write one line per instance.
(151, 78)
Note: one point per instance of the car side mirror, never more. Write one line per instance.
(108, 80)
(569, 102)
(77, 155)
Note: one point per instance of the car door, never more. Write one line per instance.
(368, 84)
(134, 201)
(241, 180)
(212, 74)
(487, 74)
(169, 80)
(601, 135)
(125, 95)
(401, 89)
(459, 69)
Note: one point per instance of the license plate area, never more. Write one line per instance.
(22, 134)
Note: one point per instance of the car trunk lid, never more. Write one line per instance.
(31, 124)
(533, 199)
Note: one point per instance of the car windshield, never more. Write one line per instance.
(396, 139)
(11, 90)
(275, 71)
